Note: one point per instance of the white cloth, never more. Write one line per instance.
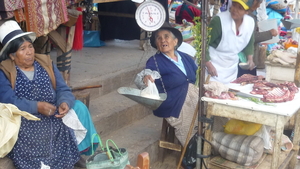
(10, 121)
(187, 48)
(225, 56)
(71, 120)
(43, 166)
(262, 12)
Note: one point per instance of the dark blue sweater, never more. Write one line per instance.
(175, 82)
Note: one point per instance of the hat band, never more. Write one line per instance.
(11, 35)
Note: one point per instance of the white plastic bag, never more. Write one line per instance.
(151, 90)
(44, 166)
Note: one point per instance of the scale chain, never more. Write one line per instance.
(159, 73)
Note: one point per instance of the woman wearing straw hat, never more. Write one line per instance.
(32, 83)
(178, 75)
(231, 32)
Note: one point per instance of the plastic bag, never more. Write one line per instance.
(108, 157)
(92, 39)
(190, 156)
(243, 58)
(240, 127)
(290, 43)
(264, 133)
(151, 90)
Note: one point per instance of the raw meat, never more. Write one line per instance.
(278, 95)
(275, 92)
(247, 78)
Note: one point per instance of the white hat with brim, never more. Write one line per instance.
(11, 30)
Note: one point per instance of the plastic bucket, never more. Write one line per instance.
(266, 25)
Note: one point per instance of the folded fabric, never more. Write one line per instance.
(71, 120)
(10, 122)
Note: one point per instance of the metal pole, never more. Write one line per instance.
(296, 9)
(204, 22)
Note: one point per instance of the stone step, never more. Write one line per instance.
(111, 66)
(140, 136)
(6, 163)
(113, 111)
(110, 82)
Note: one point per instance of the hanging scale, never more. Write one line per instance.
(150, 15)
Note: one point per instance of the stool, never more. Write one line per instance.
(83, 96)
(168, 140)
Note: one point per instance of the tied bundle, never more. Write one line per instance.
(78, 35)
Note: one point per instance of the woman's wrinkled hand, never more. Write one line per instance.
(63, 109)
(46, 108)
(274, 32)
(250, 62)
(211, 69)
(146, 78)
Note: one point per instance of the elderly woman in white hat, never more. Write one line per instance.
(231, 33)
(178, 75)
(34, 84)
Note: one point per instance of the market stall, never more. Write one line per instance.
(51, 21)
(275, 115)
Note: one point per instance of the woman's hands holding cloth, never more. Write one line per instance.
(63, 109)
(48, 109)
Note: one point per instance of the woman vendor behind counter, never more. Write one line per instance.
(231, 33)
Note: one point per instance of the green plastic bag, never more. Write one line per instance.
(243, 58)
(108, 157)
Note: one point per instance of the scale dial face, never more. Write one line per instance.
(150, 15)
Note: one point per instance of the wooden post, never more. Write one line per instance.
(64, 62)
(42, 45)
(297, 66)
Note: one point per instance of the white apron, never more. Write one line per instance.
(225, 57)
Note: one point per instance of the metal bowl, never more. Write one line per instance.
(244, 66)
(134, 94)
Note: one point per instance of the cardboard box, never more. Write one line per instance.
(276, 72)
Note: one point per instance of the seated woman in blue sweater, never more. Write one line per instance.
(178, 75)
(33, 83)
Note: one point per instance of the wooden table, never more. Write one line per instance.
(275, 115)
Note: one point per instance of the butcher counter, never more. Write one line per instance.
(271, 114)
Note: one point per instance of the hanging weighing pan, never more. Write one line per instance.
(135, 95)
(291, 24)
